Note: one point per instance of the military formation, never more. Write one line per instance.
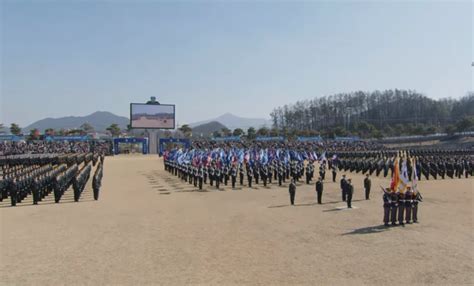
(40, 175)
(429, 163)
(400, 208)
(276, 164)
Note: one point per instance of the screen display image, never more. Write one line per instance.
(152, 116)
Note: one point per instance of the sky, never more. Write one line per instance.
(77, 57)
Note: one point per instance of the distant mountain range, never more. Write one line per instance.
(232, 121)
(207, 129)
(100, 120)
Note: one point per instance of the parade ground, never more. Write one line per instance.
(150, 228)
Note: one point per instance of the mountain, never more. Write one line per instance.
(233, 121)
(100, 120)
(207, 129)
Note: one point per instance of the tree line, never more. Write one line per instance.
(84, 129)
(375, 114)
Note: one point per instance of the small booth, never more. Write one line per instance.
(169, 143)
(131, 145)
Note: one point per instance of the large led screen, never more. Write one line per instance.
(150, 116)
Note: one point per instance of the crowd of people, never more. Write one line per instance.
(8, 148)
(250, 163)
(38, 175)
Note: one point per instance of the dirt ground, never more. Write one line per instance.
(150, 228)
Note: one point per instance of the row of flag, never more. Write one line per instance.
(241, 156)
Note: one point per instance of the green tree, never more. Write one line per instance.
(450, 129)
(1, 128)
(186, 130)
(225, 131)
(465, 124)
(274, 132)
(251, 133)
(238, 132)
(216, 134)
(61, 132)
(15, 129)
(114, 129)
(263, 131)
(87, 127)
(34, 134)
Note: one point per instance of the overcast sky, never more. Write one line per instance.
(208, 58)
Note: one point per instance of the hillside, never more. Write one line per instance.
(100, 120)
(232, 121)
(207, 129)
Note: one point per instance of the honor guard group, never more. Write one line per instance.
(39, 175)
(240, 164)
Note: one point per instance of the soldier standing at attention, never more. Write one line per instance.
(416, 198)
(349, 193)
(319, 189)
(334, 172)
(408, 205)
(322, 171)
(218, 177)
(249, 175)
(386, 206)
(233, 173)
(292, 191)
(264, 175)
(256, 173)
(393, 208)
(367, 186)
(280, 174)
(241, 174)
(201, 176)
(211, 175)
(308, 173)
(343, 187)
(401, 208)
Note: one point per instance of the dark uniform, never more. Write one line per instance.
(319, 190)
(343, 187)
(393, 208)
(367, 186)
(233, 174)
(349, 193)
(386, 207)
(292, 191)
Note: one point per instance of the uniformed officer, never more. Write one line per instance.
(393, 208)
(308, 173)
(280, 174)
(367, 186)
(319, 189)
(217, 177)
(349, 193)
(249, 175)
(200, 176)
(292, 191)
(408, 204)
(334, 173)
(416, 199)
(343, 187)
(401, 208)
(241, 174)
(233, 174)
(386, 206)
(322, 171)
(264, 175)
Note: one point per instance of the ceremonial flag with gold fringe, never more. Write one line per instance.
(414, 180)
(404, 180)
(396, 177)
